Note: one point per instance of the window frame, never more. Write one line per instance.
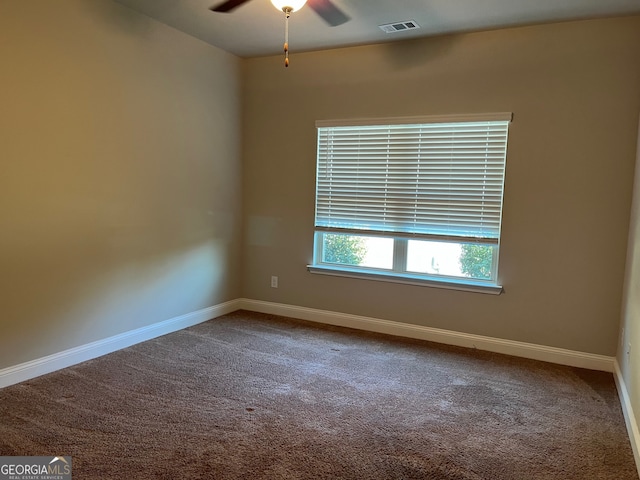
(399, 273)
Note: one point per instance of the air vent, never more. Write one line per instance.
(399, 26)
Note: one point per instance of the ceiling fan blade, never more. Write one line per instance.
(329, 12)
(228, 6)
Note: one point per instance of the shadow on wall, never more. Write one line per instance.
(418, 52)
(71, 293)
(118, 16)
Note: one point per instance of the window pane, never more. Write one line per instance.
(440, 258)
(452, 259)
(356, 250)
(476, 261)
(379, 253)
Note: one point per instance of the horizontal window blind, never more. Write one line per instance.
(443, 179)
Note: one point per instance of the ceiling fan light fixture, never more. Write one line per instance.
(291, 5)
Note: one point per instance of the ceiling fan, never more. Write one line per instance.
(324, 8)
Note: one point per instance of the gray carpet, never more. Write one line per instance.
(257, 396)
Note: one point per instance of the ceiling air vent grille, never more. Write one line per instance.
(399, 26)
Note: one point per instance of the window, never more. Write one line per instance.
(416, 200)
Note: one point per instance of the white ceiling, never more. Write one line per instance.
(257, 28)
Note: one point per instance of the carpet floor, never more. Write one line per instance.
(253, 396)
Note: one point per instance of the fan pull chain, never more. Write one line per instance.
(286, 38)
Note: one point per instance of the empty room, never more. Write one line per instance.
(335, 239)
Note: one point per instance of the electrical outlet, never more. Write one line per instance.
(274, 281)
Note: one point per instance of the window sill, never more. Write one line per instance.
(450, 284)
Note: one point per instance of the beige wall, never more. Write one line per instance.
(120, 182)
(574, 89)
(119, 174)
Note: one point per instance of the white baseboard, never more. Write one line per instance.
(73, 356)
(519, 349)
(629, 416)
